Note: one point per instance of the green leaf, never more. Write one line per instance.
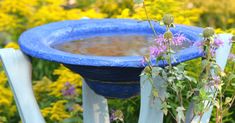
(161, 23)
(156, 71)
(155, 93)
(204, 64)
(165, 107)
(171, 79)
(216, 103)
(172, 25)
(203, 93)
(190, 94)
(180, 114)
(138, 1)
(233, 84)
(231, 77)
(227, 100)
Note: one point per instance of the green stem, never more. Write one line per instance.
(146, 13)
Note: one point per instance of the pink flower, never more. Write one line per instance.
(178, 39)
(231, 56)
(69, 89)
(157, 51)
(160, 41)
(198, 44)
(218, 42)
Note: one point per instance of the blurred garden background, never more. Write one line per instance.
(52, 80)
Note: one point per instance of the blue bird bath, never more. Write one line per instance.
(110, 76)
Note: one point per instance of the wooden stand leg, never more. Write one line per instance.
(18, 69)
(221, 59)
(95, 106)
(150, 110)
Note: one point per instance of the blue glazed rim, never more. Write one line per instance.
(37, 42)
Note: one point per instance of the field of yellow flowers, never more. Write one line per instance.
(50, 83)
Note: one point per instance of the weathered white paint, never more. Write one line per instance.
(150, 110)
(95, 106)
(18, 69)
(221, 59)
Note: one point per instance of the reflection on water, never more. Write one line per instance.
(112, 46)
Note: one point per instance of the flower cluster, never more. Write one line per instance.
(116, 116)
(160, 44)
(56, 112)
(231, 56)
(210, 39)
(68, 90)
(19, 15)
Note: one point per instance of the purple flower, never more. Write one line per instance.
(213, 51)
(71, 108)
(69, 89)
(198, 44)
(116, 115)
(160, 40)
(216, 80)
(178, 39)
(218, 42)
(231, 56)
(157, 51)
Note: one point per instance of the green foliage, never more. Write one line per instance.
(129, 107)
(43, 68)
(215, 13)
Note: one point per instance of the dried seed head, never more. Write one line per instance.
(208, 32)
(168, 35)
(147, 69)
(233, 38)
(168, 19)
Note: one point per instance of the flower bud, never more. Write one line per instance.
(168, 35)
(233, 38)
(168, 19)
(208, 32)
(147, 69)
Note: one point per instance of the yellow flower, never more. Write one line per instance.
(157, 8)
(12, 45)
(46, 14)
(56, 112)
(54, 2)
(3, 78)
(18, 7)
(65, 75)
(41, 87)
(7, 22)
(219, 31)
(92, 13)
(78, 108)
(125, 13)
(6, 96)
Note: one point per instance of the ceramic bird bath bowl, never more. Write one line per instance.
(113, 76)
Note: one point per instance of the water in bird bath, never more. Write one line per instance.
(130, 45)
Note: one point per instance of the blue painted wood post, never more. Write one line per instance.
(222, 54)
(18, 69)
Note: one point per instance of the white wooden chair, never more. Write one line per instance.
(18, 69)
